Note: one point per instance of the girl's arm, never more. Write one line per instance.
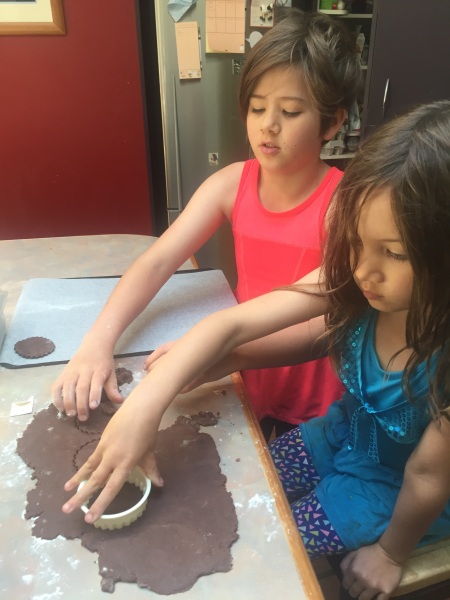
(130, 436)
(291, 346)
(80, 384)
(423, 496)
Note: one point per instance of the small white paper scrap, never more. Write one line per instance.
(24, 407)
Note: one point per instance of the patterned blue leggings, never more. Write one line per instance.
(299, 478)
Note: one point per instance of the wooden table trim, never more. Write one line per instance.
(304, 567)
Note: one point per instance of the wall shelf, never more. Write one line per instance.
(344, 14)
(356, 15)
(338, 156)
(336, 12)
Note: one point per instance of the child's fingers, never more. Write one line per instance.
(57, 398)
(84, 390)
(74, 396)
(148, 361)
(348, 577)
(84, 473)
(153, 358)
(150, 467)
(63, 395)
(69, 397)
(111, 487)
(111, 389)
(102, 477)
(113, 393)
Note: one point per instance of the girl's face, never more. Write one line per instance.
(283, 127)
(383, 272)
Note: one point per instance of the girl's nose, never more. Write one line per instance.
(368, 269)
(270, 123)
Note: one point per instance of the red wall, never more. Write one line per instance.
(72, 143)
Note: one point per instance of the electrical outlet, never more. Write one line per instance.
(237, 65)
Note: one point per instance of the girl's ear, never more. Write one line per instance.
(338, 119)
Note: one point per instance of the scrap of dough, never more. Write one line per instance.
(123, 375)
(187, 529)
(204, 418)
(34, 347)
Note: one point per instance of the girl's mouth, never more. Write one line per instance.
(268, 148)
(370, 295)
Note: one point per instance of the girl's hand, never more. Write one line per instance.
(126, 441)
(370, 573)
(79, 387)
(153, 358)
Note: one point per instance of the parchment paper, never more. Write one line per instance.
(64, 309)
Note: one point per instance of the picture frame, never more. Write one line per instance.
(32, 17)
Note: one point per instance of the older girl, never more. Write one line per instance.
(296, 86)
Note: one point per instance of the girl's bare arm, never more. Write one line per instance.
(291, 346)
(423, 496)
(424, 493)
(130, 435)
(80, 384)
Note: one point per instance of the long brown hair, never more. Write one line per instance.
(409, 157)
(321, 47)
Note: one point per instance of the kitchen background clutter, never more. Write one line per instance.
(399, 71)
(200, 129)
(357, 15)
(98, 167)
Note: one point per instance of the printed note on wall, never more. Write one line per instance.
(188, 50)
(225, 26)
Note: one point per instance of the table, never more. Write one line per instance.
(268, 559)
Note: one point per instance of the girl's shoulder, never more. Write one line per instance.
(225, 185)
(228, 176)
(234, 171)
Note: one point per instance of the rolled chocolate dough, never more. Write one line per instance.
(34, 347)
(187, 529)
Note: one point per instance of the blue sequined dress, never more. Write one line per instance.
(361, 446)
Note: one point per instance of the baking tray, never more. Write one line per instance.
(63, 310)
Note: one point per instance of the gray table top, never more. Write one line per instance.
(268, 558)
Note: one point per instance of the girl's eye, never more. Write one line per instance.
(291, 114)
(393, 255)
(256, 110)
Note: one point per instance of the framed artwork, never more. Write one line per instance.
(31, 17)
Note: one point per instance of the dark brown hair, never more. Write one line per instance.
(321, 47)
(410, 158)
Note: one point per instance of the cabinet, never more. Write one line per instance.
(408, 58)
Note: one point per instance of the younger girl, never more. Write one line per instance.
(374, 472)
(296, 86)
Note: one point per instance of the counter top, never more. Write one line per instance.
(268, 559)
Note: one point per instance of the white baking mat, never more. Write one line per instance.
(64, 309)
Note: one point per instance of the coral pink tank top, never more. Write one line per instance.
(272, 250)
